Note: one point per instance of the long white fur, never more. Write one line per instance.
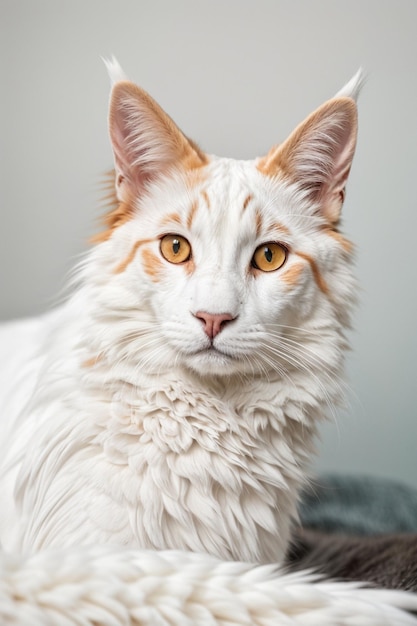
(119, 429)
(114, 70)
(115, 587)
(352, 88)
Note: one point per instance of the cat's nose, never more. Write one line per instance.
(213, 323)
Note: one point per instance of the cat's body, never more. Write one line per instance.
(162, 455)
(173, 401)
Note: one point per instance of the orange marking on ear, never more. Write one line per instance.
(152, 264)
(347, 245)
(123, 265)
(292, 274)
(169, 219)
(320, 282)
(266, 165)
(247, 200)
(191, 214)
(206, 198)
(194, 158)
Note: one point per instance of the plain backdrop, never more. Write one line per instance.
(237, 76)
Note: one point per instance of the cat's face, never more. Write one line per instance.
(227, 266)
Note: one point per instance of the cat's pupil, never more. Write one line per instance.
(176, 246)
(268, 254)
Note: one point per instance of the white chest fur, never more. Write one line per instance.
(169, 463)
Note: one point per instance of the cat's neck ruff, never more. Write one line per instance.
(169, 459)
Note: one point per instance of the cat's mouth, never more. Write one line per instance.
(211, 360)
(212, 351)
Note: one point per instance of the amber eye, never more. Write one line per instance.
(175, 248)
(269, 257)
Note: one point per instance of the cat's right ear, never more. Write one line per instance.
(146, 142)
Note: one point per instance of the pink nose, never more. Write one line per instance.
(213, 323)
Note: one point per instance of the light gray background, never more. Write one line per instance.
(237, 76)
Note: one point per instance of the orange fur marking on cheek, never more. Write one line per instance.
(320, 282)
(123, 265)
(189, 267)
(292, 274)
(152, 264)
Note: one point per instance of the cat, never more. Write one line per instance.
(173, 401)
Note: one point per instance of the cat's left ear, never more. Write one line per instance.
(318, 155)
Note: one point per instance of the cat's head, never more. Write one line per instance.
(225, 266)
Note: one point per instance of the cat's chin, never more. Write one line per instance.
(212, 362)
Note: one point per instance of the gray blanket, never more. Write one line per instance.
(357, 528)
(359, 506)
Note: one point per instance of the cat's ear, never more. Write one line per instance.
(146, 142)
(318, 155)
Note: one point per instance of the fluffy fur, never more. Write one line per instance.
(113, 587)
(174, 405)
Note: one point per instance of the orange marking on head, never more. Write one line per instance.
(192, 160)
(192, 213)
(280, 229)
(115, 218)
(171, 218)
(292, 274)
(123, 265)
(347, 245)
(320, 282)
(119, 212)
(152, 264)
(195, 177)
(247, 200)
(259, 223)
(206, 198)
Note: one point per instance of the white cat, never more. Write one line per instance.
(173, 401)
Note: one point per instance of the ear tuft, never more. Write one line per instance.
(353, 88)
(114, 70)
